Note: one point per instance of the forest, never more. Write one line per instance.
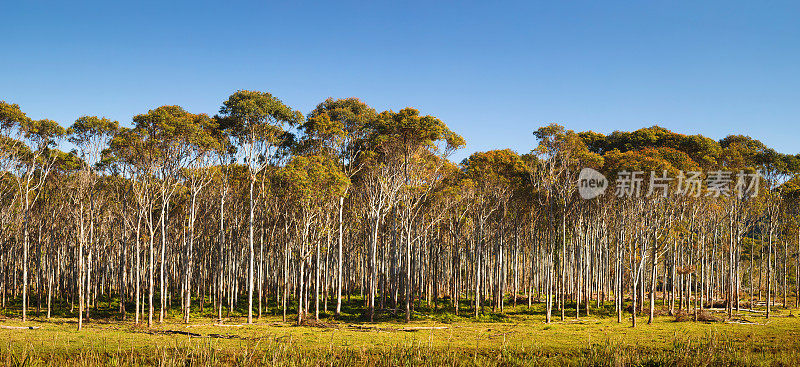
(264, 210)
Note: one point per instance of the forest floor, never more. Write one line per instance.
(433, 337)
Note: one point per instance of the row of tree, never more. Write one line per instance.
(296, 213)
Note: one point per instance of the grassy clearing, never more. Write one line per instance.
(518, 338)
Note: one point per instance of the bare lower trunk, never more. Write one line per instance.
(251, 262)
(339, 261)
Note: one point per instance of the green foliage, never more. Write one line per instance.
(791, 188)
(406, 131)
(253, 116)
(10, 147)
(337, 127)
(566, 148)
(649, 159)
(68, 162)
(312, 180)
(87, 127)
(42, 133)
(11, 115)
(166, 125)
(128, 145)
(496, 170)
(704, 152)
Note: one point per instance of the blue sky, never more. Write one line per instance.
(493, 72)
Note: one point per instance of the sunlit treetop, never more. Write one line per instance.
(10, 147)
(704, 151)
(43, 133)
(10, 115)
(646, 160)
(312, 179)
(733, 153)
(566, 147)
(502, 169)
(791, 189)
(408, 130)
(257, 116)
(336, 123)
(67, 162)
(127, 146)
(86, 127)
(167, 123)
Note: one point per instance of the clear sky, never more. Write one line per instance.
(493, 72)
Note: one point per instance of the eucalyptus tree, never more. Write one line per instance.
(369, 203)
(457, 196)
(11, 116)
(774, 174)
(313, 184)
(91, 135)
(33, 161)
(258, 121)
(224, 154)
(742, 155)
(11, 149)
(792, 208)
(163, 136)
(381, 184)
(338, 128)
(56, 225)
(409, 140)
(496, 175)
(751, 157)
(651, 202)
(137, 162)
(120, 197)
(446, 213)
(202, 140)
(562, 153)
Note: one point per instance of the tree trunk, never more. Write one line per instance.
(339, 261)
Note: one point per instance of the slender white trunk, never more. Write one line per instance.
(252, 258)
(339, 261)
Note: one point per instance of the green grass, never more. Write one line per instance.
(517, 337)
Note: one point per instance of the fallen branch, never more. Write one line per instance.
(154, 332)
(367, 328)
(416, 328)
(717, 309)
(225, 336)
(407, 329)
(743, 322)
(19, 327)
(196, 325)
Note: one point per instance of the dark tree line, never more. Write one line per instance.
(261, 209)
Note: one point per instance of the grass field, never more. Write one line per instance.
(434, 337)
